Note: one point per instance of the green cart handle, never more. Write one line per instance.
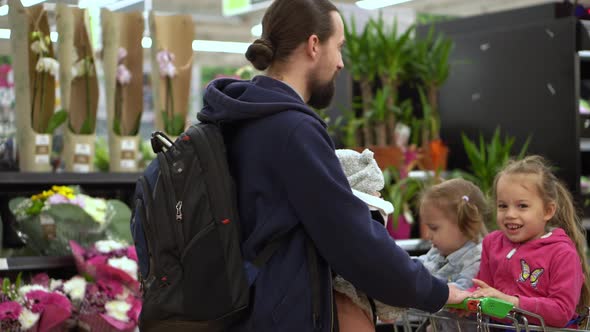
(489, 306)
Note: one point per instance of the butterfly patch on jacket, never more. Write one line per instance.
(526, 273)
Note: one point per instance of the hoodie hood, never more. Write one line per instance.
(554, 236)
(230, 100)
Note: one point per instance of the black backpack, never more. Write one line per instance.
(187, 235)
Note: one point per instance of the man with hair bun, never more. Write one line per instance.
(290, 183)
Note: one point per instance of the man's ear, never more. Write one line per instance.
(312, 47)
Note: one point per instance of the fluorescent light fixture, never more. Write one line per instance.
(4, 10)
(584, 54)
(95, 3)
(219, 46)
(256, 30)
(28, 3)
(4, 33)
(53, 35)
(122, 4)
(146, 42)
(376, 4)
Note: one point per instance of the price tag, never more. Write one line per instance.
(81, 168)
(41, 139)
(82, 149)
(3, 264)
(127, 163)
(128, 145)
(41, 159)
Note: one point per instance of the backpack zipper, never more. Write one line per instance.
(179, 211)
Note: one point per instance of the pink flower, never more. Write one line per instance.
(40, 300)
(41, 279)
(121, 54)
(57, 199)
(135, 310)
(123, 75)
(10, 310)
(110, 287)
(131, 253)
(165, 62)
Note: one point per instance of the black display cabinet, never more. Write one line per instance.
(518, 70)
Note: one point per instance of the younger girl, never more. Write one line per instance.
(536, 259)
(454, 212)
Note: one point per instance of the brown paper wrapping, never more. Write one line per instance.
(176, 34)
(34, 146)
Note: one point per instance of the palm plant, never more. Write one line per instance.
(486, 159)
(395, 58)
(401, 192)
(380, 111)
(360, 54)
(432, 67)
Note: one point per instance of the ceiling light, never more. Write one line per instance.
(53, 35)
(28, 3)
(375, 4)
(256, 30)
(122, 4)
(220, 46)
(4, 10)
(146, 42)
(4, 33)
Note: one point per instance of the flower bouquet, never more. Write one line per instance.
(33, 308)
(112, 303)
(49, 220)
(108, 260)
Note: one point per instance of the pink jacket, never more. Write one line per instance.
(545, 274)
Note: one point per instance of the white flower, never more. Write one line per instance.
(118, 310)
(82, 67)
(27, 319)
(25, 289)
(39, 47)
(96, 208)
(55, 283)
(75, 288)
(49, 65)
(123, 295)
(125, 264)
(123, 75)
(106, 246)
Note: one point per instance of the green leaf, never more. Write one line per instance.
(101, 155)
(178, 123)
(136, 125)
(117, 126)
(87, 127)
(19, 280)
(56, 120)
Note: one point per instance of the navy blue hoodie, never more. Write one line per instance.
(287, 175)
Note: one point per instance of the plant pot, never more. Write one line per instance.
(124, 153)
(434, 156)
(34, 154)
(78, 152)
(385, 156)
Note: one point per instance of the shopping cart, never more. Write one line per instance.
(484, 310)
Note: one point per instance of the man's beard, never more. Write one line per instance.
(321, 93)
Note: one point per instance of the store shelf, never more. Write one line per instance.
(35, 263)
(414, 245)
(18, 182)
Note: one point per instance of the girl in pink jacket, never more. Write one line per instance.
(536, 259)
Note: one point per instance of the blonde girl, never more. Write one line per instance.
(536, 260)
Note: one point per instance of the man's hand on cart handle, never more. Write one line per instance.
(457, 295)
(484, 290)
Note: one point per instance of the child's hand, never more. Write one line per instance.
(456, 295)
(485, 290)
